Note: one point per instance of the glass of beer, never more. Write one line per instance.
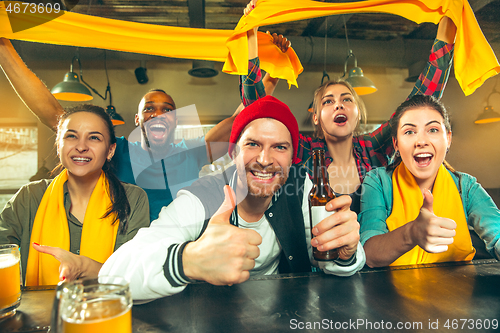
(99, 305)
(10, 280)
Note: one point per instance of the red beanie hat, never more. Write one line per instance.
(266, 107)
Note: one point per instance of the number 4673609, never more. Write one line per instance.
(32, 8)
(471, 324)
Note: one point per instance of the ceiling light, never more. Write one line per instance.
(360, 83)
(70, 89)
(488, 115)
(116, 119)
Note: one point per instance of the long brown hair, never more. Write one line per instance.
(318, 95)
(118, 196)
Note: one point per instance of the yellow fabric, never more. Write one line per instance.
(407, 201)
(474, 59)
(51, 228)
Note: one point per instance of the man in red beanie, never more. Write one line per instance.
(253, 219)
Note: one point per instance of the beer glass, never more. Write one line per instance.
(10, 280)
(98, 305)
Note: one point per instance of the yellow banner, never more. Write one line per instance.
(474, 59)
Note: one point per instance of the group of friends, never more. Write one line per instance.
(398, 201)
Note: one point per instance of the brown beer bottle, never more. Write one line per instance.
(319, 196)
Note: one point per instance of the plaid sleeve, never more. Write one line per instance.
(251, 86)
(434, 77)
(380, 139)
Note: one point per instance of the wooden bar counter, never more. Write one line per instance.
(447, 297)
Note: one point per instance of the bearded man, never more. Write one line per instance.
(251, 220)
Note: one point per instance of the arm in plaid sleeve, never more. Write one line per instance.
(434, 77)
(431, 81)
(251, 86)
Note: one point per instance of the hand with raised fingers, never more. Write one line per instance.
(224, 254)
(280, 41)
(250, 6)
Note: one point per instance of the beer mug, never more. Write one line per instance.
(10, 280)
(98, 305)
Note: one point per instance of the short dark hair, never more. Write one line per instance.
(419, 101)
(157, 90)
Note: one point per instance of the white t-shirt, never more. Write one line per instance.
(150, 261)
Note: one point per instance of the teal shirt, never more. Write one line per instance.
(480, 211)
(160, 179)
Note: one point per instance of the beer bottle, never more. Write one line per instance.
(319, 196)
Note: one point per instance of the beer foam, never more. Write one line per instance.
(7, 260)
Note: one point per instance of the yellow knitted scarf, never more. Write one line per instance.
(407, 201)
(51, 228)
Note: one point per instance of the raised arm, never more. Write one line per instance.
(434, 76)
(431, 81)
(217, 138)
(28, 86)
(252, 85)
(446, 30)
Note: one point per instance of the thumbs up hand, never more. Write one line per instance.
(224, 254)
(432, 233)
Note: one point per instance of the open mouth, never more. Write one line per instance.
(423, 159)
(340, 119)
(80, 159)
(157, 130)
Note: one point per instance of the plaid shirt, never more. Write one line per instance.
(370, 150)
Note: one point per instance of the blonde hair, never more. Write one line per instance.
(318, 95)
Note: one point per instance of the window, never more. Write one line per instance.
(187, 132)
(18, 157)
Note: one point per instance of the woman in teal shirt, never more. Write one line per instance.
(418, 209)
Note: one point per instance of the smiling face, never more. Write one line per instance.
(83, 144)
(157, 118)
(422, 140)
(337, 113)
(265, 156)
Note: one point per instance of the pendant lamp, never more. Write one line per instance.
(488, 115)
(360, 83)
(70, 89)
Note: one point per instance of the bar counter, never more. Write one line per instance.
(447, 297)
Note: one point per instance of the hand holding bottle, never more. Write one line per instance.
(339, 231)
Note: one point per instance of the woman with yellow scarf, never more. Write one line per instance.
(338, 114)
(77, 220)
(418, 209)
